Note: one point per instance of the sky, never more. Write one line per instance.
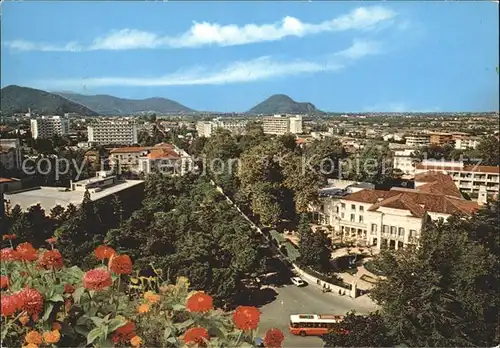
(228, 56)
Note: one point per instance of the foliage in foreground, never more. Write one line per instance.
(44, 303)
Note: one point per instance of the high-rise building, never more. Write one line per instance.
(120, 132)
(10, 153)
(281, 124)
(48, 126)
(205, 128)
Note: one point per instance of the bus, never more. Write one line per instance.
(313, 324)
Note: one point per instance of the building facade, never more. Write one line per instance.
(281, 124)
(48, 126)
(106, 132)
(468, 178)
(206, 128)
(418, 140)
(404, 161)
(466, 142)
(10, 154)
(164, 158)
(441, 139)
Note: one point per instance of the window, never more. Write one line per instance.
(385, 229)
(342, 215)
(352, 217)
(361, 218)
(374, 228)
(361, 208)
(393, 230)
(401, 232)
(337, 209)
(412, 234)
(353, 206)
(342, 205)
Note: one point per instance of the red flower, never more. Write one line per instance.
(103, 252)
(199, 302)
(32, 301)
(274, 338)
(97, 279)
(4, 282)
(26, 252)
(8, 237)
(51, 259)
(196, 335)
(124, 333)
(52, 240)
(246, 318)
(120, 264)
(9, 305)
(9, 254)
(69, 289)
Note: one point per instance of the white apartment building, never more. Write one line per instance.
(10, 153)
(404, 161)
(395, 218)
(468, 178)
(205, 128)
(466, 142)
(418, 140)
(165, 158)
(48, 126)
(120, 131)
(281, 124)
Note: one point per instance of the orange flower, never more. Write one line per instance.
(32, 301)
(34, 338)
(9, 305)
(56, 326)
(97, 279)
(136, 341)
(9, 254)
(124, 333)
(4, 282)
(51, 259)
(103, 252)
(196, 335)
(26, 252)
(274, 338)
(24, 319)
(30, 345)
(69, 289)
(51, 337)
(246, 318)
(143, 308)
(120, 264)
(8, 237)
(151, 297)
(199, 302)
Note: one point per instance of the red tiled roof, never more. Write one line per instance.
(163, 152)
(437, 183)
(368, 196)
(130, 149)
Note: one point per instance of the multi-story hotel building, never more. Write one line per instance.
(10, 153)
(418, 140)
(281, 124)
(468, 178)
(441, 139)
(164, 158)
(466, 142)
(395, 218)
(205, 128)
(106, 132)
(404, 161)
(48, 126)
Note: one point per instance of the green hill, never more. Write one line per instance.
(109, 105)
(283, 104)
(17, 99)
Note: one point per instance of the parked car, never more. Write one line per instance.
(297, 281)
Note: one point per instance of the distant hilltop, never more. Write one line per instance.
(283, 104)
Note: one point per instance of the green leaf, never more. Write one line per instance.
(108, 343)
(93, 335)
(172, 340)
(167, 332)
(178, 307)
(185, 324)
(56, 298)
(116, 323)
(97, 321)
(48, 311)
(82, 330)
(78, 293)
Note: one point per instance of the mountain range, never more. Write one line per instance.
(17, 99)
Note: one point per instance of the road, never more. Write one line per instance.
(304, 300)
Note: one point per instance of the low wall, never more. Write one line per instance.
(314, 281)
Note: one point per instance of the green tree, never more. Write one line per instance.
(488, 150)
(314, 247)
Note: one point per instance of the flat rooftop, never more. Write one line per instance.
(49, 197)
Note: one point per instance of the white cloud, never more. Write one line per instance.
(204, 33)
(261, 68)
(361, 48)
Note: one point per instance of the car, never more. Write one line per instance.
(297, 281)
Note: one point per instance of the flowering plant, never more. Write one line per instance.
(45, 303)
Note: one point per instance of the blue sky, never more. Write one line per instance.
(228, 56)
